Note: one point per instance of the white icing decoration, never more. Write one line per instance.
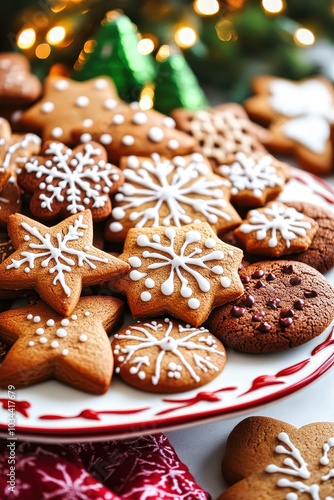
(31, 343)
(295, 465)
(64, 352)
(88, 122)
(128, 140)
(313, 132)
(62, 255)
(118, 119)
(276, 219)
(86, 137)
(159, 335)
(173, 144)
(43, 340)
(17, 146)
(61, 85)
(47, 107)
(169, 122)
(246, 173)
(139, 118)
(110, 104)
(187, 261)
(69, 178)
(165, 183)
(57, 132)
(54, 344)
(106, 139)
(83, 337)
(61, 333)
(100, 84)
(82, 101)
(156, 134)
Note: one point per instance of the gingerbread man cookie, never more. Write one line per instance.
(300, 116)
(57, 261)
(184, 271)
(65, 181)
(83, 102)
(162, 192)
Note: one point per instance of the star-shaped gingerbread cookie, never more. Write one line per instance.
(128, 130)
(300, 116)
(184, 271)
(68, 104)
(65, 181)
(75, 350)
(57, 261)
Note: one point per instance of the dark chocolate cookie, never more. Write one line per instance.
(285, 304)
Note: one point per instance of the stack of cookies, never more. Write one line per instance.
(106, 208)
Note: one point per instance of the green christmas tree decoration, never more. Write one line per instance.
(176, 86)
(116, 55)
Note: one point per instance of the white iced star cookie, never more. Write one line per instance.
(166, 355)
(57, 261)
(300, 116)
(162, 192)
(276, 230)
(269, 458)
(63, 181)
(184, 271)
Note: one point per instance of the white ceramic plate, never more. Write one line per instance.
(53, 412)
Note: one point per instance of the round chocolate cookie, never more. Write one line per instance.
(285, 304)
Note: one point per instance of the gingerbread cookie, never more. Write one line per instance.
(255, 178)
(15, 149)
(183, 271)
(175, 192)
(300, 117)
(65, 181)
(221, 132)
(74, 350)
(129, 130)
(18, 86)
(10, 201)
(269, 458)
(57, 261)
(276, 230)
(83, 102)
(279, 309)
(165, 355)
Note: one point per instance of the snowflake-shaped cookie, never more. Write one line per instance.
(167, 356)
(268, 458)
(74, 349)
(65, 181)
(183, 271)
(162, 192)
(255, 179)
(57, 261)
(276, 230)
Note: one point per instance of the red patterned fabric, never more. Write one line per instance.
(145, 468)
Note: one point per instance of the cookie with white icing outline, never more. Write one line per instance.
(65, 181)
(255, 178)
(184, 271)
(57, 261)
(129, 130)
(279, 309)
(170, 192)
(275, 230)
(74, 350)
(300, 116)
(221, 132)
(269, 458)
(166, 355)
(67, 104)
